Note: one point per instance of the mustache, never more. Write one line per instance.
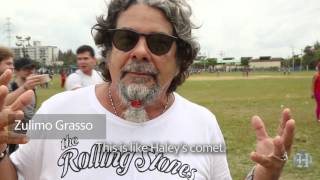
(139, 66)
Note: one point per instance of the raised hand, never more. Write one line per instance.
(272, 153)
(6, 77)
(8, 114)
(32, 81)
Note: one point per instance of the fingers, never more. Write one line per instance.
(286, 129)
(7, 137)
(259, 127)
(35, 77)
(260, 159)
(278, 150)
(23, 100)
(8, 117)
(286, 115)
(273, 160)
(3, 94)
(288, 135)
(32, 83)
(6, 77)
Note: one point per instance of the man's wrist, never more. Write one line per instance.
(3, 151)
(261, 173)
(250, 175)
(25, 87)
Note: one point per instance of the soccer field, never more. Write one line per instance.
(234, 99)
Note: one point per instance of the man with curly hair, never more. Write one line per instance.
(148, 47)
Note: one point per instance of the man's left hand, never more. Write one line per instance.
(272, 153)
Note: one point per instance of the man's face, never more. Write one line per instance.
(138, 69)
(23, 73)
(85, 62)
(6, 64)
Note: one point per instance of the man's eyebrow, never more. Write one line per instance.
(152, 32)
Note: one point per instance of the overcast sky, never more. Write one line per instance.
(233, 28)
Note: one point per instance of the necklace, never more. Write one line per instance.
(114, 107)
(111, 100)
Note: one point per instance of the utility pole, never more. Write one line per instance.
(221, 53)
(301, 59)
(8, 31)
(292, 58)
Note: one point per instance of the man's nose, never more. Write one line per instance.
(141, 50)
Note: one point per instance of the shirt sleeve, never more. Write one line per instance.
(73, 81)
(219, 168)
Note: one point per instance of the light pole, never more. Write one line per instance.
(301, 59)
(23, 42)
(293, 59)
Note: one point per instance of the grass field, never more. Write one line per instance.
(234, 99)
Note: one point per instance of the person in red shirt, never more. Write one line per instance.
(63, 76)
(316, 91)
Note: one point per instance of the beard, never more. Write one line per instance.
(142, 89)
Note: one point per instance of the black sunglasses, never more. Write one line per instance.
(125, 40)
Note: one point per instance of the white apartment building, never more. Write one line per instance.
(47, 55)
(265, 62)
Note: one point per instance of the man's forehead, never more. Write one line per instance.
(84, 54)
(144, 18)
(7, 61)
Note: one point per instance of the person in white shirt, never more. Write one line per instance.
(86, 74)
(149, 46)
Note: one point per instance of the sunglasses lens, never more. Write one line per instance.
(159, 44)
(125, 40)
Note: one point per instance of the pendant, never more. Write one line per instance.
(136, 103)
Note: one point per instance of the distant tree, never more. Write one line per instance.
(286, 63)
(317, 56)
(311, 55)
(212, 61)
(67, 57)
(37, 64)
(316, 45)
(245, 61)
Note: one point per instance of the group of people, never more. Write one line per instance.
(148, 47)
(25, 79)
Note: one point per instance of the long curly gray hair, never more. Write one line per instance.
(178, 12)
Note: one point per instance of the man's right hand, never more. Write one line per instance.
(32, 81)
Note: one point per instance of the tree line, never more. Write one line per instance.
(308, 60)
(311, 55)
(68, 57)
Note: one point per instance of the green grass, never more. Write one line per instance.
(234, 102)
(54, 88)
